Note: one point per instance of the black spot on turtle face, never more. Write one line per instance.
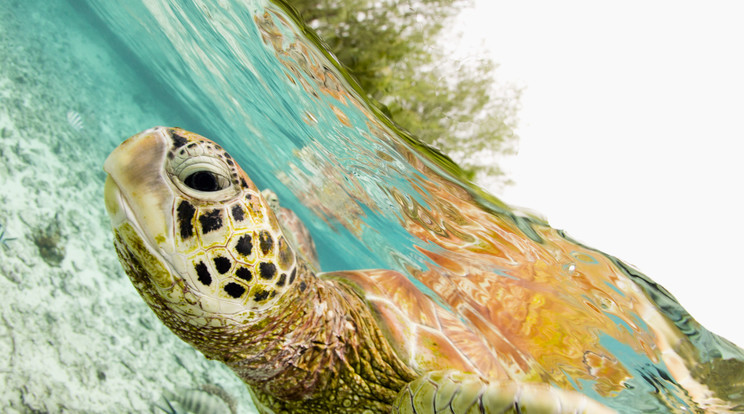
(202, 273)
(237, 212)
(185, 215)
(282, 280)
(235, 290)
(267, 270)
(265, 242)
(178, 141)
(244, 245)
(244, 273)
(211, 221)
(261, 295)
(222, 264)
(244, 185)
(303, 286)
(292, 276)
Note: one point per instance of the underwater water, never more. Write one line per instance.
(77, 78)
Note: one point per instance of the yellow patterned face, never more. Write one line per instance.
(192, 230)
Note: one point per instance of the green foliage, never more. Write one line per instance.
(390, 46)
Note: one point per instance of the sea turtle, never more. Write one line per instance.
(208, 255)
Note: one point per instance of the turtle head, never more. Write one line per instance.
(193, 232)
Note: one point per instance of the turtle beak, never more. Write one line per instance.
(137, 189)
(113, 200)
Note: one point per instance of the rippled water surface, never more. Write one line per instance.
(248, 75)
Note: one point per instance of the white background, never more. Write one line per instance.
(631, 134)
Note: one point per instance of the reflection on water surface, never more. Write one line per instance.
(539, 306)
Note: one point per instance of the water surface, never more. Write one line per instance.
(78, 78)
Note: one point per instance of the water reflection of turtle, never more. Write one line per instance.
(209, 256)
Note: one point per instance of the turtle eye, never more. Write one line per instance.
(205, 181)
(202, 176)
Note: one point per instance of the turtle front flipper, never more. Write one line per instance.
(460, 393)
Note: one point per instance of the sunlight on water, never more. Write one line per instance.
(539, 306)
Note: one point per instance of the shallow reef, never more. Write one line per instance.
(73, 331)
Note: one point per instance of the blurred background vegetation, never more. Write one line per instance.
(394, 48)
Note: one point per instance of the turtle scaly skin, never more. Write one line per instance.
(206, 252)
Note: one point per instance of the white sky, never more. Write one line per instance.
(631, 135)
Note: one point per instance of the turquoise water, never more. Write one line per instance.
(79, 77)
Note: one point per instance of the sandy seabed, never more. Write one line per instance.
(74, 334)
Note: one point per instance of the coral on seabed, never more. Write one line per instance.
(74, 334)
(50, 242)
